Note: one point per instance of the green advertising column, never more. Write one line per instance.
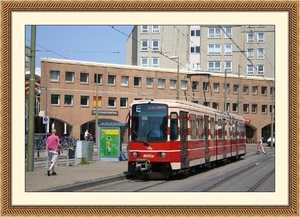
(109, 143)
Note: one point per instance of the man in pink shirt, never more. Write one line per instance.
(52, 145)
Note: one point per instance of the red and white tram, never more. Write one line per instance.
(169, 137)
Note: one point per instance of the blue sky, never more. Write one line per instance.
(87, 43)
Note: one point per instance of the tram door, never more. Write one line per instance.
(207, 155)
(183, 140)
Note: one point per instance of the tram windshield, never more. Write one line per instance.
(149, 122)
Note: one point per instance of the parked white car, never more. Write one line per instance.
(269, 141)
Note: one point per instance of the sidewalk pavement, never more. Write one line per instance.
(70, 178)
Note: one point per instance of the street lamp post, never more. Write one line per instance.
(96, 116)
(177, 83)
(39, 91)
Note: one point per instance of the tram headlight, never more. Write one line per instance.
(135, 154)
(161, 154)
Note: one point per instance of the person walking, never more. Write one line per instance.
(87, 135)
(52, 145)
(260, 146)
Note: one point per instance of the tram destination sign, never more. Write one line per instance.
(105, 112)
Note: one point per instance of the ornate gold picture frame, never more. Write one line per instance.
(8, 7)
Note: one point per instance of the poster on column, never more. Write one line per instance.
(109, 142)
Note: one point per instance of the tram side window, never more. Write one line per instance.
(242, 131)
(212, 128)
(234, 130)
(193, 127)
(174, 126)
(228, 129)
(200, 127)
(220, 129)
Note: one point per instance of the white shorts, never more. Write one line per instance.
(53, 156)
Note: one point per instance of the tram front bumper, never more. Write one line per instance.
(143, 165)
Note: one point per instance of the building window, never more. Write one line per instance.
(124, 81)
(195, 49)
(144, 45)
(227, 107)
(260, 53)
(95, 101)
(228, 49)
(155, 62)
(216, 87)
(227, 89)
(144, 62)
(250, 37)
(161, 83)
(205, 86)
(111, 80)
(123, 102)
(235, 88)
(263, 90)
(195, 32)
(84, 100)
(254, 108)
(70, 77)
(149, 82)
(155, 29)
(245, 89)
(260, 37)
(272, 91)
(137, 81)
(184, 85)
(54, 76)
(173, 84)
(215, 105)
(260, 69)
(84, 77)
(228, 66)
(206, 104)
(214, 49)
(254, 90)
(250, 53)
(55, 98)
(234, 107)
(271, 109)
(228, 32)
(195, 85)
(155, 45)
(69, 100)
(245, 108)
(264, 109)
(214, 33)
(98, 78)
(145, 29)
(214, 66)
(112, 102)
(250, 70)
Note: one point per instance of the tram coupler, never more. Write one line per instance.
(143, 165)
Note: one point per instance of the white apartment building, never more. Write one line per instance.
(248, 49)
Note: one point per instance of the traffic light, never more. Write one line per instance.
(27, 86)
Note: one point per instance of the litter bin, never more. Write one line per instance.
(71, 153)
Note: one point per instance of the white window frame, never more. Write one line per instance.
(126, 102)
(254, 90)
(114, 99)
(249, 71)
(99, 78)
(234, 107)
(246, 108)
(228, 66)
(155, 47)
(250, 39)
(228, 49)
(173, 84)
(144, 59)
(155, 65)
(149, 80)
(264, 109)
(72, 100)
(254, 108)
(124, 81)
(161, 83)
(195, 85)
(216, 87)
(87, 100)
(205, 86)
(235, 88)
(214, 33)
(183, 85)
(214, 49)
(245, 89)
(214, 68)
(84, 76)
(195, 31)
(195, 49)
(67, 76)
(144, 30)
(250, 53)
(259, 38)
(144, 47)
(114, 80)
(227, 30)
(58, 99)
(260, 53)
(138, 80)
(260, 69)
(54, 75)
(155, 29)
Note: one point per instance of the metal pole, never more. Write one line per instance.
(178, 89)
(225, 91)
(96, 121)
(239, 89)
(272, 118)
(46, 113)
(30, 153)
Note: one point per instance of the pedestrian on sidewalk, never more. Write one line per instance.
(87, 135)
(52, 145)
(260, 146)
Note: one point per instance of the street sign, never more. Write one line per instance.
(46, 120)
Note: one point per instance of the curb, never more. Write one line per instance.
(87, 184)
